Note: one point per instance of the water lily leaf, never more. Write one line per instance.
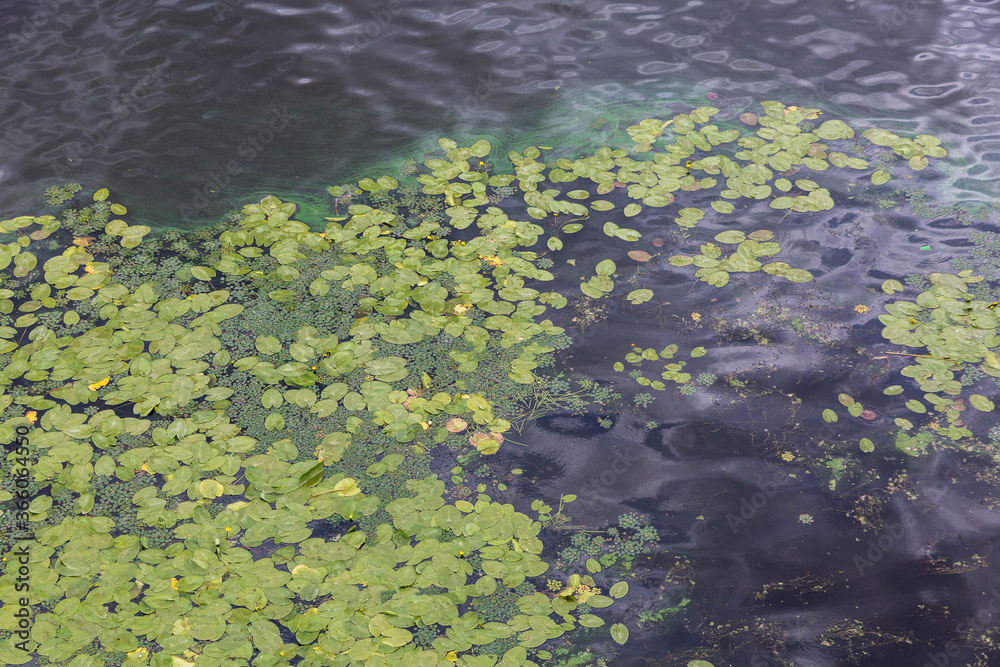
(829, 416)
(916, 406)
(593, 566)
(456, 425)
(981, 403)
(855, 409)
(115, 228)
(639, 255)
(797, 275)
(274, 422)
(312, 476)
(619, 633)
(831, 129)
(271, 398)
(904, 424)
(918, 162)
(210, 488)
(730, 236)
(867, 446)
(572, 228)
(554, 244)
(396, 637)
(632, 210)
(723, 206)
(698, 352)
(590, 621)
(346, 487)
(601, 205)
(845, 399)
(202, 272)
(761, 235)
(880, 177)
(893, 390)
(268, 345)
(717, 278)
(619, 590)
(101, 194)
(638, 296)
(605, 268)
(892, 286)
(627, 234)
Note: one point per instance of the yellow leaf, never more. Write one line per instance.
(173, 583)
(31, 416)
(145, 467)
(456, 425)
(139, 653)
(452, 656)
(346, 487)
(210, 488)
(82, 241)
(100, 383)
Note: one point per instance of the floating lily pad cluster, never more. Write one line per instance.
(782, 146)
(146, 372)
(714, 269)
(957, 331)
(241, 570)
(672, 372)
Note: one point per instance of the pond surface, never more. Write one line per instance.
(779, 541)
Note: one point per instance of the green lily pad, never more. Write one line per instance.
(619, 590)
(892, 286)
(731, 236)
(638, 296)
(619, 633)
(880, 177)
(981, 403)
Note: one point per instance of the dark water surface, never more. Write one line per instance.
(188, 109)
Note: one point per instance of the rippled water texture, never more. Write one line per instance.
(161, 96)
(187, 109)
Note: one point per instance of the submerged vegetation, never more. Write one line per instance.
(237, 436)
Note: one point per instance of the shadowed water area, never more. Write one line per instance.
(778, 539)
